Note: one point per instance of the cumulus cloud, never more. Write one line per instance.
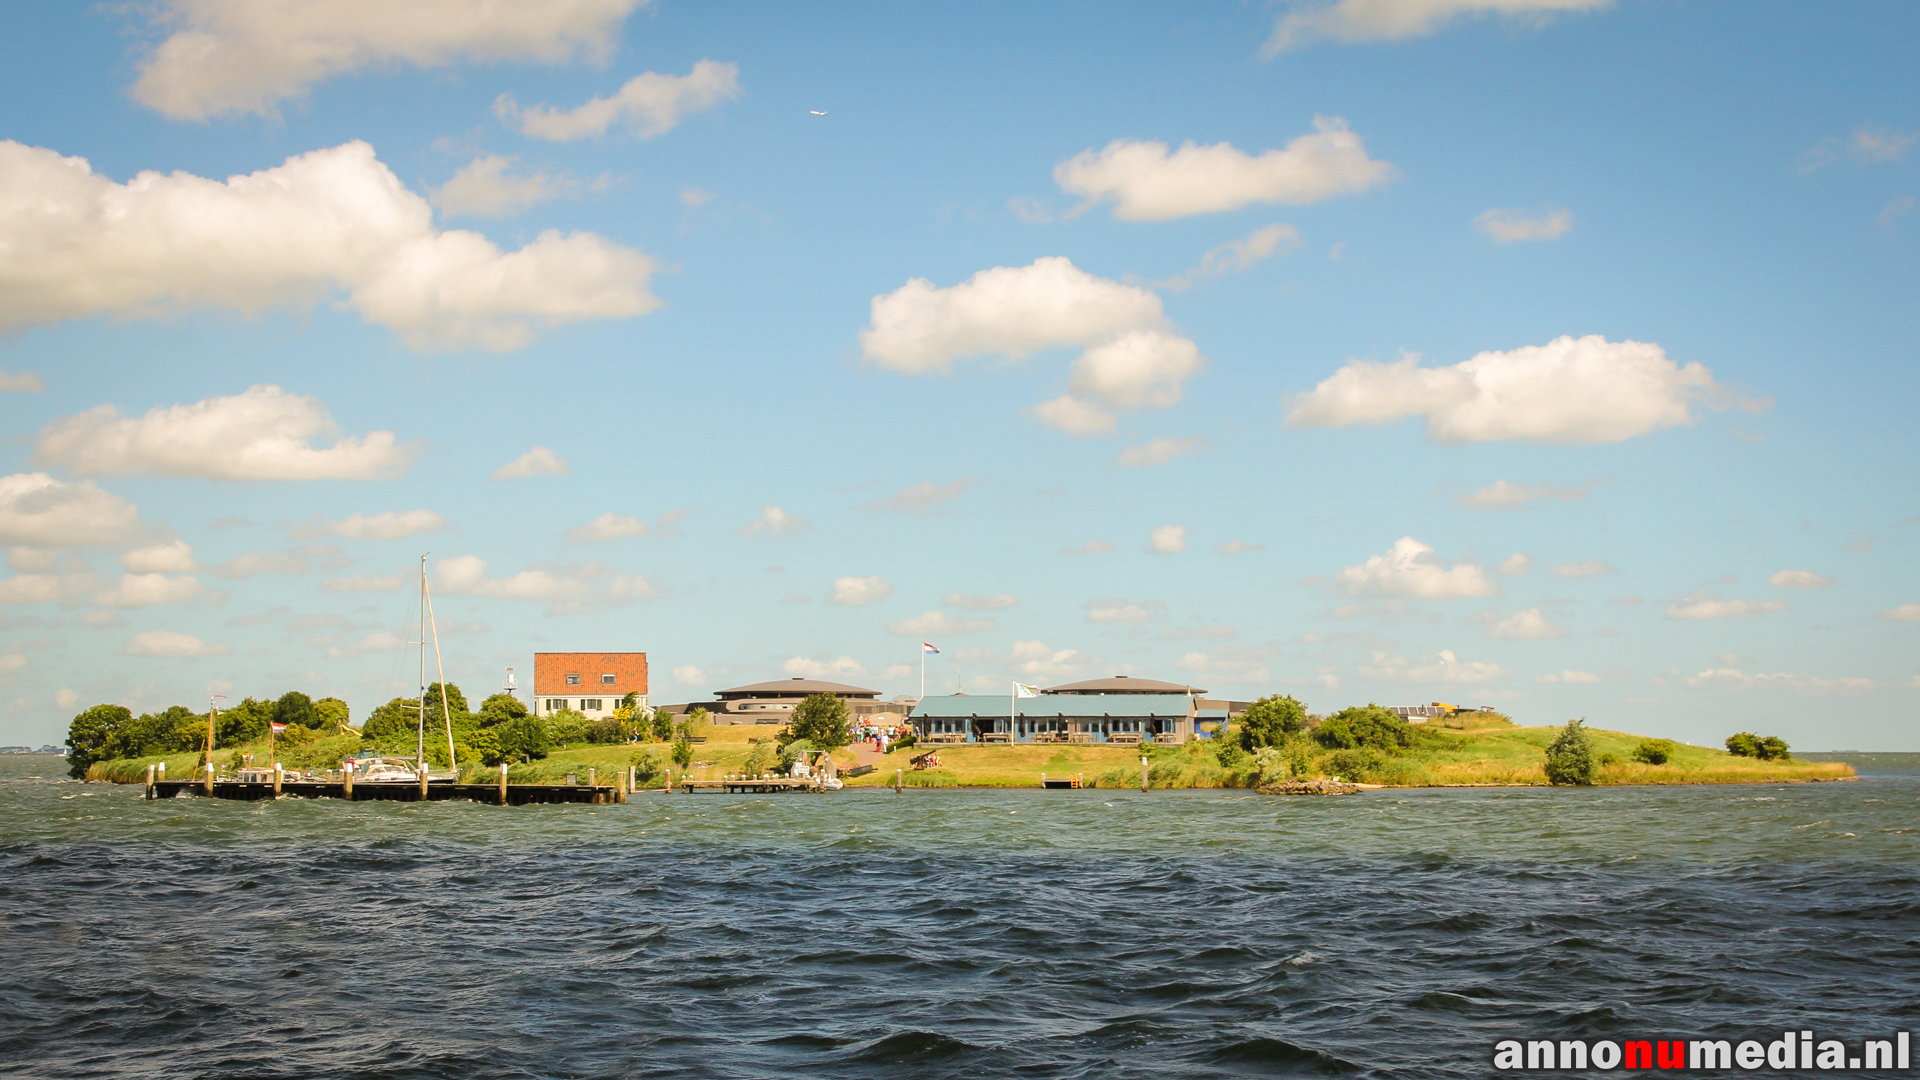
(380, 641)
(1585, 568)
(774, 521)
(1091, 547)
(606, 527)
(649, 104)
(1514, 226)
(1132, 358)
(859, 591)
(36, 588)
(239, 56)
(564, 590)
(38, 511)
(1570, 390)
(1515, 564)
(1903, 613)
(170, 557)
(387, 525)
(1799, 579)
(1569, 676)
(1233, 663)
(25, 382)
(1442, 667)
(1355, 21)
(264, 433)
(1159, 451)
(149, 590)
(1122, 612)
(929, 623)
(1863, 146)
(325, 222)
(688, 675)
(356, 583)
(844, 667)
(980, 603)
(1501, 495)
(1704, 604)
(1410, 570)
(1732, 678)
(1529, 624)
(1235, 256)
(1147, 183)
(1240, 547)
(1039, 662)
(168, 643)
(1167, 540)
(254, 563)
(485, 188)
(925, 497)
(539, 461)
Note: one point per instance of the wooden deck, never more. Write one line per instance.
(510, 795)
(745, 785)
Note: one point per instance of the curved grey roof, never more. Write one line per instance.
(1123, 684)
(795, 687)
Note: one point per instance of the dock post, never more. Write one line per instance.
(897, 777)
(346, 780)
(503, 783)
(1043, 780)
(1143, 772)
(276, 779)
(149, 780)
(162, 776)
(1082, 782)
(633, 778)
(669, 781)
(423, 781)
(209, 774)
(591, 776)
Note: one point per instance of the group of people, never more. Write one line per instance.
(879, 736)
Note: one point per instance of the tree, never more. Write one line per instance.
(662, 724)
(401, 716)
(500, 708)
(1743, 744)
(334, 714)
(456, 702)
(1570, 755)
(243, 723)
(1654, 751)
(296, 709)
(91, 734)
(683, 749)
(525, 737)
(1367, 727)
(821, 719)
(1773, 748)
(1270, 720)
(173, 730)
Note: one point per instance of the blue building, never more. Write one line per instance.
(1139, 710)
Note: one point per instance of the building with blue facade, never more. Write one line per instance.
(1139, 713)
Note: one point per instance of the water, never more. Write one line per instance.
(940, 933)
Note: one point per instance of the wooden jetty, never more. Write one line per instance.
(498, 794)
(1078, 780)
(755, 785)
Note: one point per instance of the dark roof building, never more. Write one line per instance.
(795, 688)
(1132, 717)
(772, 702)
(1123, 684)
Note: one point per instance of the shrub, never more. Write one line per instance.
(1271, 719)
(1359, 763)
(500, 708)
(1773, 748)
(1743, 744)
(759, 760)
(1369, 727)
(608, 732)
(90, 734)
(567, 726)
(1297, 752)
(523, 739)
(820, 719)
(1570, 756)
(646, 769)
(683, 749)
(791, 752)
(1653, 751)
(485, 744)
(662, 724)
(1227, 750)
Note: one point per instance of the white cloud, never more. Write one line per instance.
(38, 511)
(240, 56)
(1147, 183)
(1159, 451)
(1585, 568)
(25, 382)
(1167, 540)
(329, 221)
(1110, 612)
(539, 461)
(1132, 358)
(606, 527)
(149, 590)
(1235, 256)
(354, 583)
(1354, 21)
(1731, 678)
(859, 591)
(568, 589)
(1234, 663)
(1864, 146)
(254, 563)
(1240, 547)
(1706, 605)
(1030, 210)
(483, 188)
(387, 525)
(775, 522)
(1091, 547)
(1501, 495)
(1443, 667)
(65, 698)
(45, 588)
(1903, 613)
(688, 675)
(924, 497)
(929, 623)
(695, 197)
(171, 557)
(1570, 390)
(1516, 564)
(650, 104)
(384, 641)
(1411, 570)
(264, 433)
(1897, 207)
(168, 643)
(1529, 624)
(1569, 676)
(1514, 226)
(845, 667)
(1799, 579)
(980, 603)
(1035, 660)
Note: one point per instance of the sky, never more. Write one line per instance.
(1552, 355)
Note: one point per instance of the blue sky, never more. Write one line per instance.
(1551, 354)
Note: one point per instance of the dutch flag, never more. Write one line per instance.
(927, 647)
(277, 728)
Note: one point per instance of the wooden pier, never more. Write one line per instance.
(755, 785)
(498, 794)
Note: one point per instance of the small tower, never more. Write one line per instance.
(510, 690)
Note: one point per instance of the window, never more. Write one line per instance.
(607, 680)
(573, 679)
(556, 704)
(591, 704)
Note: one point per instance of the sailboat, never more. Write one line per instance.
(389, 770)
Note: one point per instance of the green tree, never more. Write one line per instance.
(91, 734)
(821, 719)
(296, 709)
(1654, 751)
(166, 732)
(662, 724)
(646, 769)
(683, 749)
(1270, 720)
(522, 738)
(1773, 748)
(334, 715)
(456, 702)
(485, 745)
(1743, 744)
(1369, 727)
(1570, 755)
(500, 708)
(398, 717)
(242, 723)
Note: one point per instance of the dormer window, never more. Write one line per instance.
(607, 680)
(573, 679)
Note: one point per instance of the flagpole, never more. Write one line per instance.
(923, 670)
(1012, 709)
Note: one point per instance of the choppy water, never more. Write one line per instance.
(940, 933)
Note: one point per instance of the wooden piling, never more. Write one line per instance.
(276, 779)
(591, 771)
(1143, 772)
(1043, 779)
(346, 782)
(209, 774)
(503, 783)
(149, 780)
(898, 774)
(423, 781)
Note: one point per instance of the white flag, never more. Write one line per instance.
(1021, 689)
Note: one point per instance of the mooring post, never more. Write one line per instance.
(897, 775)
(346, 780)
(669, 781)
(1082, 782)
(1043, 780)
(209, 774)
(591, 771)
(163, 774)
(276, 779)
(149, 780)
(633, 778)
(1143, 772)
(503, 783)
(423, 781)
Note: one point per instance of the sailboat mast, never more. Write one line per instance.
(422, 759)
